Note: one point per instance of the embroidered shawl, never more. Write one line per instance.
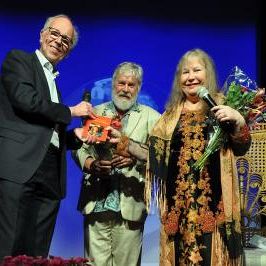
(157, 171)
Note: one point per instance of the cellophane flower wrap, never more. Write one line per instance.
(242, 94)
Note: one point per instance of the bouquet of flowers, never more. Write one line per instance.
(242, 94)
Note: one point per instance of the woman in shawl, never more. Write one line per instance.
(200, 211)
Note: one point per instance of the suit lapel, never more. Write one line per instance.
(43, 84)
(58, 93)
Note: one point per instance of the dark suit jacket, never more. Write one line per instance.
(27, 119)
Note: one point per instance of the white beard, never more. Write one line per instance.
(122, 103)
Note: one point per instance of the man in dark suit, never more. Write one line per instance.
(33, 141)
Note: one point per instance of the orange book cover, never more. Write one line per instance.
(96, 127)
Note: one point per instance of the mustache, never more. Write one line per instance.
(124, 94)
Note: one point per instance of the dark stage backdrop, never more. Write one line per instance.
(107, 41)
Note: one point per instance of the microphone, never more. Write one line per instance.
(86, 97)
(203, 93)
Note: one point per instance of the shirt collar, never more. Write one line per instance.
(45, 63)
(134, 108)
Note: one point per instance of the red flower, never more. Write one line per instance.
(23, 260)
(116, 123)
(57, 261)
(244, 89)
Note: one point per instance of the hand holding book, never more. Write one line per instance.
(100, 127)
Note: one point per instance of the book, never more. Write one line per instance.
(97, 127)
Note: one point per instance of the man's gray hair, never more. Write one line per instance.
(129, 68)
(51, 19)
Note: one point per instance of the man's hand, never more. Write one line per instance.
(100, 167)
(114, 135)
(120, 161)
(88, 139)
(82, 109)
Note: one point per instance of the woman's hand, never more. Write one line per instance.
(224, 113)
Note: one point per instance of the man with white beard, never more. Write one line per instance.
(112, 193)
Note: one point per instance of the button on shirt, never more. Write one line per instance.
(50, 77)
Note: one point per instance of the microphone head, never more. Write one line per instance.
(202, 92)
(86, 96)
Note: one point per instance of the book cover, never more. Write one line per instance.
(97, 127)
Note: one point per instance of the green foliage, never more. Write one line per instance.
(239, 98)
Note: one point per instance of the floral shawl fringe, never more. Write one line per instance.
(219, 252)
(157, 162)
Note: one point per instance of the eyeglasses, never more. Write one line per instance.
(55, 34)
